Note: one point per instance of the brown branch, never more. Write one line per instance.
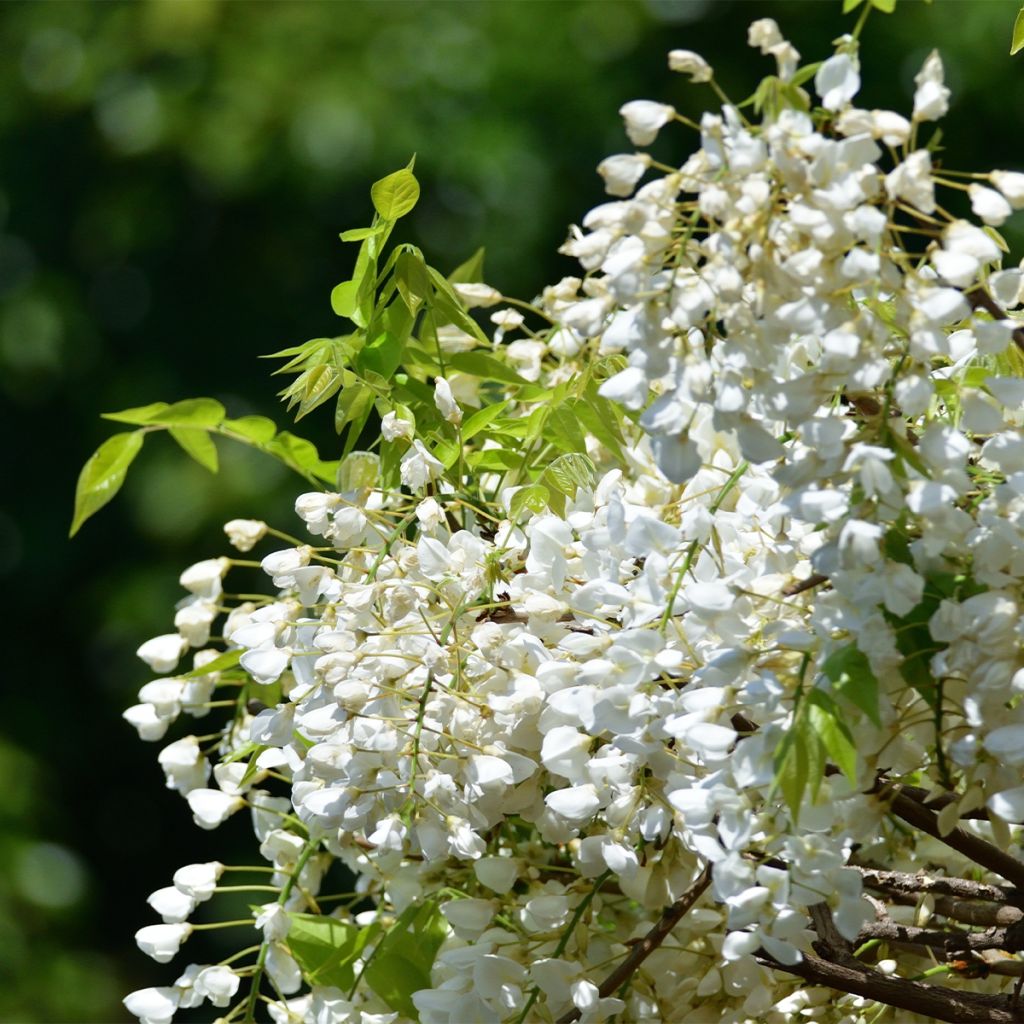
(809, 583)
(933, 1001)
(980, 299)
(904, 883)
(936, 803)
(670, 917)
(974, 849)
(951, 942)
(982, 915)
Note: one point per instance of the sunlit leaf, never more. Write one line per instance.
(197, 442)
(852, 678)
(395, 195)
(103, 474)
(402, 960)
(326, 948)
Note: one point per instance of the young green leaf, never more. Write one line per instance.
(1017, 41)
(479, 364)
(852, 678)
(229, 659)
(192, 412)
(568, 473)
(395, 195)
(382, 356)
(326, 948)
(833, 733)
(534, 497)
(412, 280)
(321, 384)
(402, 960)
(493, 460)
(257, 429)
(792, 770)
(358, 471)
(139, 415)
(449, 308)
(343, 298)
(481, 419)
(470, 272)
(103, 474)
(358, 234)
(197, 443)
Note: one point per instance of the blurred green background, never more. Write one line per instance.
(173, 177)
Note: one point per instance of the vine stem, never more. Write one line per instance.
(261, 960)
(670, 917)
(691, 551)
(581, 909)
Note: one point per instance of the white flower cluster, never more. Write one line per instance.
(803, 587)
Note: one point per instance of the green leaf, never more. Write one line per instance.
(807, 72)
(412, 280)
(833, 733)
(197, 443)
(852, 678)
(242, 752)
(103, 474)
(395, 195)
(914, 638)
(534, 498)
(481, 419)
(885, 6)
(450, 309)
(299, 452)
(229, 659)
(446, 452)
(257, 429)
(192, 412)
(402, 960)
(599, 417)
(355, 400)
(139, 415)
(358, 471)
(344, 297)
(792, 769)
(319, 384)
(851, 5)
(325, 948)
(383, 355)
(1017, 42)
(568, 473)
(470, 272)
(563, 430)
(479, 364)
(493, 460)
(358, 234)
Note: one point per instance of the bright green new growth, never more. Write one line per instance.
(399, 308)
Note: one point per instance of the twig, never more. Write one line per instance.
(933, 1001)
(974, 849)
(982, 915)
(812, 581)
(951, 942)
(902, 882)
(670, 917)
(980, 299)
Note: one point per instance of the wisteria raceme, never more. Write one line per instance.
(681, 722)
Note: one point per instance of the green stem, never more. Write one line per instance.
(563, 942)
(691, 551)
(261, 960)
